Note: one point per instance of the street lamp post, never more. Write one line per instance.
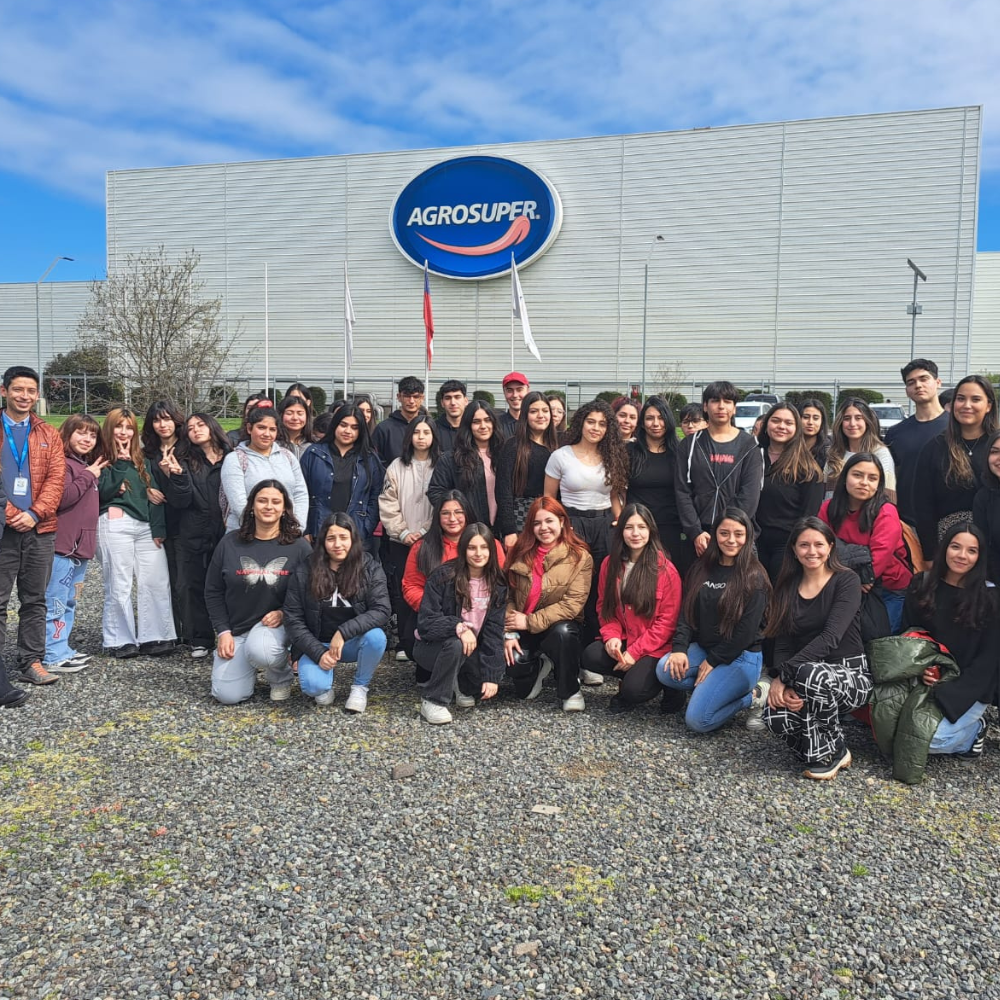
(38, 327)
(645, 308)
(914, 309)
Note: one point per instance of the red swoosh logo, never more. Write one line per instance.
(519, 229)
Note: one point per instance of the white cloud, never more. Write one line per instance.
(91, 86)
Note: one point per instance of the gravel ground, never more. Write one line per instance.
(154, 844)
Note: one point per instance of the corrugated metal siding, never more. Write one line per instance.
(784, 257)
(60, 306)
(986, 314)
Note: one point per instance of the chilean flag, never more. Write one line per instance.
(428, 319)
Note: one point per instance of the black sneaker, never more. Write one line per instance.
(126, 652)
(828, 771)
(618, 706)
(672, 701)
(974, 752)
(161, 648)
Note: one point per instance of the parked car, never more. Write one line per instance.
(761, 397)
(747, 413)
(889, 414)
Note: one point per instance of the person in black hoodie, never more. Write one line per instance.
(716, 468)
(191, 485)
(387, 438)
(245, 595)
(953, 603)
(336, 611)
(461, 626)
(452, 399)
(986, 508)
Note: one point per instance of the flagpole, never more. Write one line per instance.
(347, 331)
(512, 311)
(267, 364)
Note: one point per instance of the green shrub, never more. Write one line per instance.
(674, 400)
(319, 398)
(868, 395)
(486, 396)
(795, 397)
(556, 392)
(609, 395)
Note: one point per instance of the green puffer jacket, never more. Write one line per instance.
(903, 710)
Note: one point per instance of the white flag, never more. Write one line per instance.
(348, 321)
(521, 310)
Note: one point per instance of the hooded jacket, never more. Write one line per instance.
(243, 468)
(76, 534)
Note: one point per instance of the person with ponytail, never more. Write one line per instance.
(548, 579)
(336, 611)
(460, 627)
(638, 600)
(716, 652)
(130, 533)
(952, 464)
(521, 465)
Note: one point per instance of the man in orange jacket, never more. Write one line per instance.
(33, 468)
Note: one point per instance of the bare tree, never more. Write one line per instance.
(163, 337)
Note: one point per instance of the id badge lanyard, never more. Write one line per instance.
(20, 483)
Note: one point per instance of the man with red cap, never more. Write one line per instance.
(515, 388)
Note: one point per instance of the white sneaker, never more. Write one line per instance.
(326, 698)
(281, 692)
(65, 667)
(590, 678)
(544, 671)
(758, 699)
(436, 715)
(401, 656)
(199, 652)
(357, 700)
(463, 700)
(574, 703)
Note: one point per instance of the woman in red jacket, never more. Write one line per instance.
(860, 514)
(638, 600)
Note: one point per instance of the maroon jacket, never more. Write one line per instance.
(76, 535)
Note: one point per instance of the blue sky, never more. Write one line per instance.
(89, 87)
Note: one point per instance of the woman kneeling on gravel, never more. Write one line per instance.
(245, 592)
(821, 671)
(336, 611)
(548, 578)
(717, 646)
(460, 627)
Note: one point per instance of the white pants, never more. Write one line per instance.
(127, 551)
(261, 648)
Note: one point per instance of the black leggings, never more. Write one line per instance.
(638, 683)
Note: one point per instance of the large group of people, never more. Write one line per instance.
(719, 571)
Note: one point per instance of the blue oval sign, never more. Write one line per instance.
(466, 217)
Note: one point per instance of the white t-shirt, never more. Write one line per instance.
(580, 486)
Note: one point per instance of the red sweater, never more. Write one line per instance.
(414, 581)
(885, 542)
(645, 636)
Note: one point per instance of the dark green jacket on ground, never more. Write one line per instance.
(904, 713)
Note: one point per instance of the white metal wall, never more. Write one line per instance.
(60, 306)
(986, 314)
(784, 258)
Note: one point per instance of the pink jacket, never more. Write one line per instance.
(645, 636)
(885, 542)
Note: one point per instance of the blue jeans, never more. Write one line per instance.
(893, 601)
(60, 606)
(723, 693)
(366, 649)
(957, 737)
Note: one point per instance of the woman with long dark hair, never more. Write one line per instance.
(820, 670)
(815, 429)
(295, 421)
(638, 600)
(193, 487)
(793, 484)
(461, 625)
(336, 611)
(860, 514)
(471, 465)
(590, 475)
(953, 603)
(716, 651)
(986, 507)
(652, 471)
(130, 534)
(548, 578)
(626, 417)
(245, 595)
(451, 514)
(257, 458)
(856, 429)
(521, 465)
(343, 474)
(76, 540)
(952, 464)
